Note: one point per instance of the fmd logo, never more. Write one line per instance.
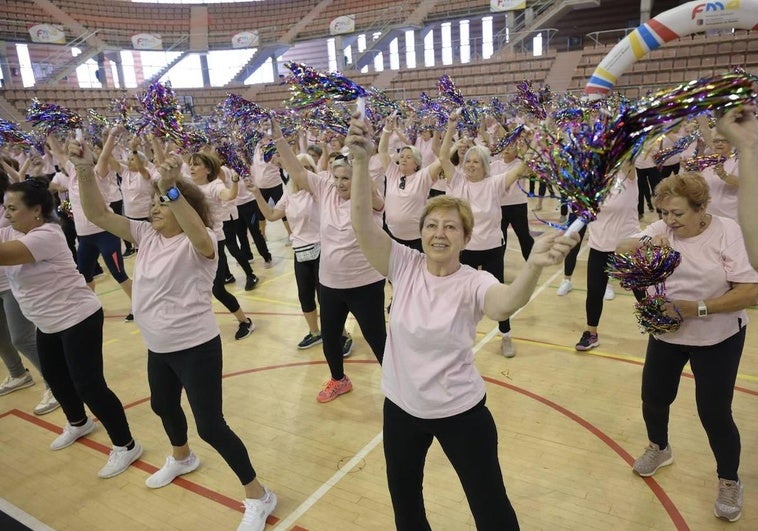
(715, 6)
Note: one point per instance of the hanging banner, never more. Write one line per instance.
(343, 24)
(147, 41)
(692, 17)
(507, 5)
(47, 33)
(245, 39)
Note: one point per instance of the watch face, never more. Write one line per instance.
(173, 193)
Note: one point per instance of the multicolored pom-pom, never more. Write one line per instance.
(647, 265)
(652, 318)
(702, 162)
(50, 117)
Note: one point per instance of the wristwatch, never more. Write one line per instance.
(172, 194)
(702, 309)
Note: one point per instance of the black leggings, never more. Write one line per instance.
(517, 216)
(231, 243)
(306, 277)
(197, 370)
(647, 178)
(72, 365)
(715, 369)
(219, 289)
(492, 261)
(249, 216)
(366, 303)
(597, 280)
(469, 441)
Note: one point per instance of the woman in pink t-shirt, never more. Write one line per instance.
(69, 318)
(723, 179)
(709, 291)
(431, 385)
(408, 185)
(347, 282)
(485, 193)
(174, 275)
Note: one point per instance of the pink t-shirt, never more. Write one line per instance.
(50, 291)
(84, 227)
(343, 264)
(403, 207)
(376, 171)
(617, 218)
(723, 196)
(515, 194)
(267, 175)
(303, 215)
(710, 262)
(426, 147)
(485, 197)
(137, 191)
(428, 369)
(171, 294)
(4, 222)
(219, 211)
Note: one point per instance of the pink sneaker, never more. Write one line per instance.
(334, 388)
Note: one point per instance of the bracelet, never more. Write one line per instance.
(235, 180)
(385, 130)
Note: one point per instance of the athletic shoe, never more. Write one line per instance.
(171, 470)
(347, 345)
(71, 434)
(129, 318)
(588, 341)
(229, 279)
(256, 512)
(131, 251)
(250, 282)
(11, 384)
(334, 388)
(268, 264)
(119, 460)
(729, 502)
(245, 329)
(309, 341)
(653, 459)
(506, 347)
(46, 404)
(565, 287)
(609, 295)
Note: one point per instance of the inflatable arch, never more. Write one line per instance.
(692, 17)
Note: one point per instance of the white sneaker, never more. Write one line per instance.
(506, 347)
(565, 287)
(256, 512)
(609, 294)
(71, 434)
(119, 460)
(171, 470)
(11, 384)
(47, 403)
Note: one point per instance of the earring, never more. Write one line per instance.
(702, 223)
(36, 218)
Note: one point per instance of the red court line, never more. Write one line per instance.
(146, 467)
(673, 512)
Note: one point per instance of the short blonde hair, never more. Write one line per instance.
(689, 185)
(446, 202)
(484, 157)
(415, 153)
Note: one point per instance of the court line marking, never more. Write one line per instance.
(23, 517)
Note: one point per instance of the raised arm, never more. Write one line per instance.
(740, 127)
(14, 175)
(501, 301)
(443, 159)
(93, 203)
(384, 142)
(374, 242)
(271, 214)
(289, 159)
(103, 161)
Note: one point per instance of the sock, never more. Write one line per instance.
(130, 446)
(80, 423)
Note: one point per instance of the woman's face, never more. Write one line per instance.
(473, 166)
(336, 143)
(442, 236)
(162, 219)
(677, 213)
(199, 171)
(343, 177)
(427, 134)
(22, 218)
(721, 145)
(406, 163)
(463, 146)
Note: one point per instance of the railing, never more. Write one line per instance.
(524, 42)
(612, 34)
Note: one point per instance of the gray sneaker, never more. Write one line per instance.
(11, 384)
(653, 459)
(729, 502)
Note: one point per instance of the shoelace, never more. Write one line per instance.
(253, 511)
(729, 493)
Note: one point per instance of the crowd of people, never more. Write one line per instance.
(429, 215)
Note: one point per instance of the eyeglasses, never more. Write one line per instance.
(402, 183)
